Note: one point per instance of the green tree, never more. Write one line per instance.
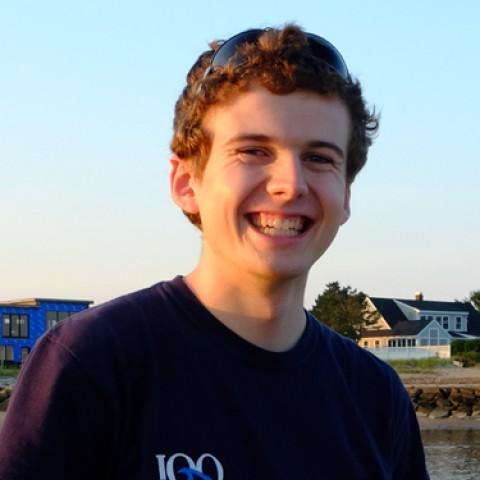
(344, 310)
(475, 298)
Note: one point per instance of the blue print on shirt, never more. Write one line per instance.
(192, 474)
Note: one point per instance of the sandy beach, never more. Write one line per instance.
(448, 375)
(451, 423)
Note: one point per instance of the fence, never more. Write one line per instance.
(404, 353)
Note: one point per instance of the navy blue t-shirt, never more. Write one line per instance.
(152, 386)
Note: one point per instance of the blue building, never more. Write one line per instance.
(25, 321)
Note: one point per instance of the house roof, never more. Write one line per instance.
(400, 325)
(407, 327)
(473, 321)
(457, 334)
(389, 310)
(402, 328)
(34, 302)
(435, 306)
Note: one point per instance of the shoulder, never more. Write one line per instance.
(118, 334)
(124, 315)
(356, 365)
(378, 393)
(374, 386)
(112, 318)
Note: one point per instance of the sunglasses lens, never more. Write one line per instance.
(227, 50)
(321, 49)
(325, 51)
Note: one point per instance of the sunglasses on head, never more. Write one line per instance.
(321, 49)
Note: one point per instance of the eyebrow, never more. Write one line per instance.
(267, 139)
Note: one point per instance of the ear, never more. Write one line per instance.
(346, 204)
(181, 185)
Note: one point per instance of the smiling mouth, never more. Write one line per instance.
(279, 225)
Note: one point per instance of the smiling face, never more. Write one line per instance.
(273, 193)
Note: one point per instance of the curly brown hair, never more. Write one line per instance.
(280, 61)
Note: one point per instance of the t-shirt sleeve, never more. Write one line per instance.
(57, 422)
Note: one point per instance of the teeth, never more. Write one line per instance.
(277, 226)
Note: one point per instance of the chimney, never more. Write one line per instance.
(419, 296)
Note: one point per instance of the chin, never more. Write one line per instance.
(281, 273)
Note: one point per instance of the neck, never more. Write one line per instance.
(264, 312)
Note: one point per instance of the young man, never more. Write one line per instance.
(222, 374)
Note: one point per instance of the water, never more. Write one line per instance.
(452, 454)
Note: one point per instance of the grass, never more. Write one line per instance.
(419, 365)
(9, 371)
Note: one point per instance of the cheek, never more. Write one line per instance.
(333, 199)
(221, 199)
(237, 187)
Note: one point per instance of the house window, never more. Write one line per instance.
(15, 325)
(414, 342)
(365, 343)
(404, 342)
(54, 317)
(430, 317)
(423, 317)
(458, 323)
(433, 336)
(377, 343)
(445, 323)
(409, 342)
(6, 353)
(439, 320)
(24, 353)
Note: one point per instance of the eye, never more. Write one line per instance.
(253, 154)
(318, 158)
(255, 151)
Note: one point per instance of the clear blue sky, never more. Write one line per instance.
(86, 98)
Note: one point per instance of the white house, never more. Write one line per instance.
(426, 326)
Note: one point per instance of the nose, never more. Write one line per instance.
(287, 179)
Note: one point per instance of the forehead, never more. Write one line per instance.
(292, 118)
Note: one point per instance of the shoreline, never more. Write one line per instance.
(446, 377)
(450, 423)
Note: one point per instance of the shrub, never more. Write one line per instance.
(460, 346)
(457, 346)
(472, 345)
(468, 358)
(9, 370)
